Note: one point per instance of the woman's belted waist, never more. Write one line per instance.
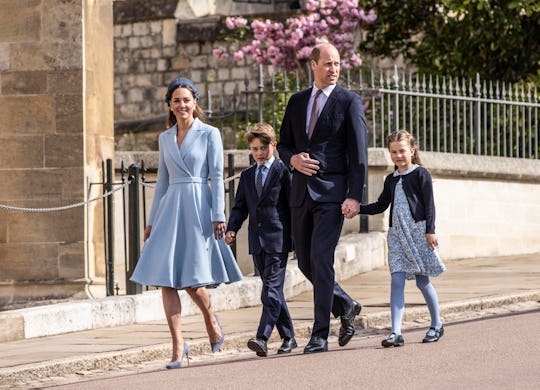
(180, 180)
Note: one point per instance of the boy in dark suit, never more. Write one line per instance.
(263, 194)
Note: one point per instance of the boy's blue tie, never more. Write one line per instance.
(259, 180)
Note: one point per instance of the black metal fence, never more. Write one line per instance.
(134, 201)
(445, 114)
(134, 211)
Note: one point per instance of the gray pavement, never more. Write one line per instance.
(461, 360)
(471, 285)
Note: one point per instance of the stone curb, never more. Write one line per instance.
(112, 360)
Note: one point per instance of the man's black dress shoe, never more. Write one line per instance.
(258, 345)
(433, 335)
(287, 346)
(316, 344)
(347, 329)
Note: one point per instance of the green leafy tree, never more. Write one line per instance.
(499, 39)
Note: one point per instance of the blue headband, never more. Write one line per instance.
(180, 82)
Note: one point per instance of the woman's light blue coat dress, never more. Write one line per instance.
(181, 250)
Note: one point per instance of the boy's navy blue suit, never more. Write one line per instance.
(269, 238)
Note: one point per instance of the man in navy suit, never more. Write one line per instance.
(323, 140)
(263, 194)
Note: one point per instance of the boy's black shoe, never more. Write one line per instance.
(258, 345)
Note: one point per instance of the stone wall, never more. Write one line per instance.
(486, 206)
(154, 45)
(56, 125)
(148, 56)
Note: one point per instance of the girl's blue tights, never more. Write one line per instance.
(397, 300)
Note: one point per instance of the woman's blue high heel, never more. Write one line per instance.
(217, 345)
(178, 364)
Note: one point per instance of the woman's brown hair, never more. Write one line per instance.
(197, 113)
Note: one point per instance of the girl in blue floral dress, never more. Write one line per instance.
(413, 251)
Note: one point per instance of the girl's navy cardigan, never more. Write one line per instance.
(418, 189)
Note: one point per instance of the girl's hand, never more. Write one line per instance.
(230, 236)
(350, 208)
(432, 240)
(219, 229)
(147, 232)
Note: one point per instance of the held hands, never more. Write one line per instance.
(350, 208)
(230, 236)
(219, 229)
(432, 240)
(304, 164)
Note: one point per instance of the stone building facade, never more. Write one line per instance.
(56, 126)
(155, 44)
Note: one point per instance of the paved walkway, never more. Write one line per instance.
(468, 285)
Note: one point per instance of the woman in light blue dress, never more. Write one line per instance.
(183, 240)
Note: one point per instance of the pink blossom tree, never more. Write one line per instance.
(287, 45)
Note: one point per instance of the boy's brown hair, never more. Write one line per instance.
(262, 131)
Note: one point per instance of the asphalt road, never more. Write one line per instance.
(499, 352)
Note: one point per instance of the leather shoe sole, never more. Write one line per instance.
(258, 346)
